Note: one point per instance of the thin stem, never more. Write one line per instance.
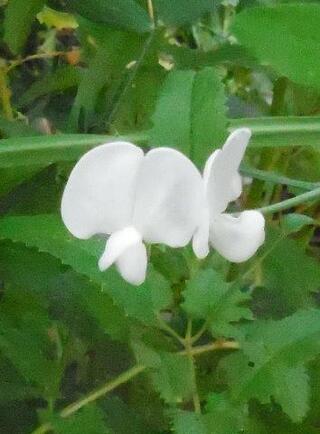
(131, 76)
(188, 347)
(214, 346)
(101, 391)
(170, 330)
(5, 94)
(290, 203)
(43, 429)
(98, 393)
(274, 178)
(20, 62)
(198, 335)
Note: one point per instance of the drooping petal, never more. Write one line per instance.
(99, 194)
(200, 241)
(117, 244)
(221, 176)
(132, 264)
(237, 238)
(169, 198)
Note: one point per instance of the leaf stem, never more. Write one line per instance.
(5, 94)
(290, 203)
(189, 354)
(121, 379)
(92, 396)
(214, 346)
(129, 79)
(170, 330)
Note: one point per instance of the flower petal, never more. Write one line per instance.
(237, 238)
(99, 194)
(200, 241)
(117, 244)
(132, 264)
(169, 195)
(221, 176)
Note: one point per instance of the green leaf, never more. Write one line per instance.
(61, 79)
(293, 222)
(209, 297)
(89, 420)
(297, 59)
(50, 149)
(47, 234)
(173, 378)
(19, 16)
(26, 329)
(124, 14)
(287, 288)
(185, 422)
(56, 19)
(180, 12)
(272, 362)
(222, 416)
(191, 113)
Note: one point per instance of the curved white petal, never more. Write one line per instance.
(237, 238)
(132, 264)
(200, 241)
(169, 198)
(221, 177)
(118, 243)
(99, 194)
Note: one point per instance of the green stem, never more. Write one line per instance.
(188, 353)
(101, 391)
(164, 326)
(214, 346)
(43, 429)
(93, 396)
(274, 178)
(124, 87)
(290, 203)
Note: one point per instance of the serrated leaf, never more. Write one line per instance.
(221, 416)
(209, 297)
(19, 15)
(180, 12)
(125, 14)
(297, 59)
(48, 234)
(191, 114)
(272, 362)
(173, 378)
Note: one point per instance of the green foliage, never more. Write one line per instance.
(126, 14)
(202, 347)
(210, 298)
(189, 101)
(297, 59)
(89, 420)
(182, 11)
(19, 16)
(272, 362)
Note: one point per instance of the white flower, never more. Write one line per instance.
(116, 190)
(235, 238)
